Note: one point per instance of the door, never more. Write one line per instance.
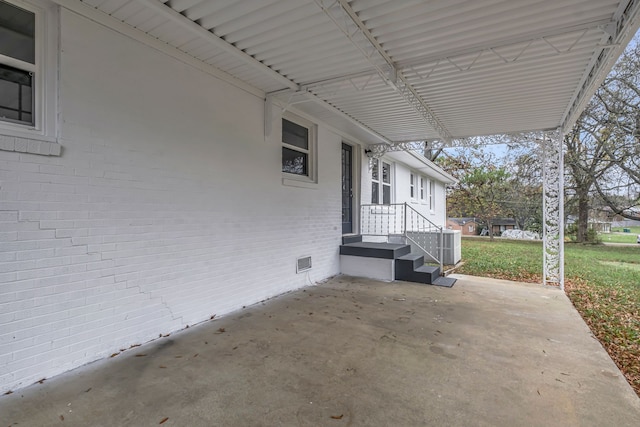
(347, 189)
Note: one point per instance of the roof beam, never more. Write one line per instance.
(345, 18)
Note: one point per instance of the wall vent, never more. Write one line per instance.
(303, 264)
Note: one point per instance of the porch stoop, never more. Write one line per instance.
(388, 262)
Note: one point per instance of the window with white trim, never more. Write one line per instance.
(380, 183)
(17, 63)
(412, 186)
(422, 195)
(298, 148)
(28, 46)
(432, 195)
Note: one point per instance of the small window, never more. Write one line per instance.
(380, 183)
(432, 195)
(28, 74)
(17, 63)
(298, 145)
(422, 195)
(412, 186)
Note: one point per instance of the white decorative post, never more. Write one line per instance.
(553, 208)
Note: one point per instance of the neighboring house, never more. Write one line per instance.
(468, 226)
(501, 224)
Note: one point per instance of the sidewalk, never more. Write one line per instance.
(355, 352)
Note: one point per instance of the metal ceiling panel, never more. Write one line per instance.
(401, 70)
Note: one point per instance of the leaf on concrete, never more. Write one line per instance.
(337, 417)
(164, 420)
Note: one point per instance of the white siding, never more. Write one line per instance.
(401, 191)
(165, 208)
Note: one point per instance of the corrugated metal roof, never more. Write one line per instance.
(403, 70)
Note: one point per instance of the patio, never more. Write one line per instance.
(355, 352)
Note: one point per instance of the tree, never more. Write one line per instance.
(480, 193)
(603, 149)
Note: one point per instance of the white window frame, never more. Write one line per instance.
(432, 195)
(422, 190)
(41, 136)
(379, 164)
(311, 152)
(412, 186)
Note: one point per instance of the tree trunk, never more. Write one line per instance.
(583, 217)
(490, 226)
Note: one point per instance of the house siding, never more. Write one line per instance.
(401, 191)
(165, 208)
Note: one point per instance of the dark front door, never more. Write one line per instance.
(347, 189)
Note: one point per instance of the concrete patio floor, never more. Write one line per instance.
(355, 352)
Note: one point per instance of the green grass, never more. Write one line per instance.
(603, 282)
(633, 230)
(620, 237)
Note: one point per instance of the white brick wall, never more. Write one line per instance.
(165, 207)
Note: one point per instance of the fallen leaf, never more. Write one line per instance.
(221, 331)
(140, 355)
(213, 316)
(9, 392)
(164, 420)
(196, 355)
(235, 348)
(88, 390)
(538, 392)
(61, 417)
(337, 417)
(42, 380)
(162, 367)
(114, 354)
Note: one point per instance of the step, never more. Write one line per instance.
(407, 264)
(351, 238)
(446, 282)
(375, 250)
(425, 274)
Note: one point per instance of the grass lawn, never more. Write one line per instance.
(603, 282)
(620, 237)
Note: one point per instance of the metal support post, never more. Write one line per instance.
(553, 208)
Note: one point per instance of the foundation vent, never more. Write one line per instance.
(303, 264)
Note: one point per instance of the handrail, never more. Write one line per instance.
(402, 220)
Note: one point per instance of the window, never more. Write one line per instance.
(432, 195)
(28, 47)
(380, 183)
(412, 186)
(471, 228)
(298, 146)
(422, 195)
(17, 63)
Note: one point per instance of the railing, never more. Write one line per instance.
(400, 221)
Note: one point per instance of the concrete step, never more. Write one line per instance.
(351, 238)
(425, 274)
(375, 250)
(446, 282)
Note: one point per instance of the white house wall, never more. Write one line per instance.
(165, 208)
(400, 190)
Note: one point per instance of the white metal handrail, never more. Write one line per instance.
(402, 220)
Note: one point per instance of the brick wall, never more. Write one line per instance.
(166, 207)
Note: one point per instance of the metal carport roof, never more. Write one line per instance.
(389, 70)
(397, 71)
